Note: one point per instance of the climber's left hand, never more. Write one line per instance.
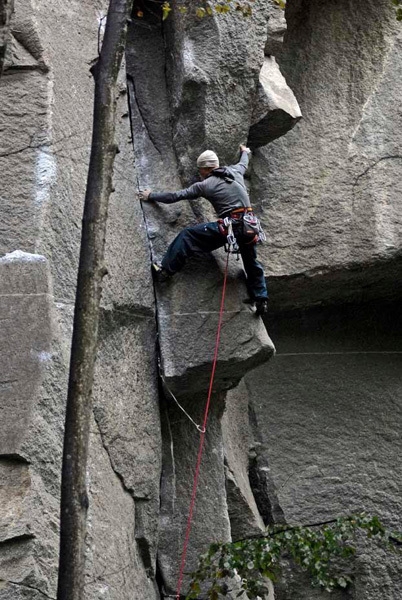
(144, 195)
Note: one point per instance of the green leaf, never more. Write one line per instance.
(166, 8)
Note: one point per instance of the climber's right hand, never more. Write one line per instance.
(244, 148)
(144, 195)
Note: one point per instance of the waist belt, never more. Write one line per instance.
(236, 213)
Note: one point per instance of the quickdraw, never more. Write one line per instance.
(231, 246)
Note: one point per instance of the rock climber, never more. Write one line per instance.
(224, 187)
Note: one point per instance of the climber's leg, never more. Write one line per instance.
(256, 285)
(199, 238)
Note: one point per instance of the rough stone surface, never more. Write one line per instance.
(275, 31)
(31, 436)
(329, 415)
(25, 332)
(213, 75)
(127, 412)
(213, 79)
(47, 87)
(329, 190)
(126, 404)
(210, 519)
(114, 566)
(15, 486)
(243, 512)
(6, 9)
(186, 330)
(128, 284)
(325, 420)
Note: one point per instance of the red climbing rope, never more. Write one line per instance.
(202, 436)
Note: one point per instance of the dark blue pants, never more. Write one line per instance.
(207, 237)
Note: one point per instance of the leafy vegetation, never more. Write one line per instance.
(244, 566)
(225, 6)
(398, 8)
(200, 9)
(206, 8)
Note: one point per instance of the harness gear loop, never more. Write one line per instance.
(248, 227)
(202, 436)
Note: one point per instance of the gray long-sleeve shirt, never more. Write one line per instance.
(226, 192)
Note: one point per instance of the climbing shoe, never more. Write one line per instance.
(160, 273)
(261, 307)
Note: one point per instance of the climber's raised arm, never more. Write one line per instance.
(242, 165)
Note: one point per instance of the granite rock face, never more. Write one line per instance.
(46, 97)
(188, 306)
(324, 435)
(328, 412)
(47, 86)
(31, 433)
(214, 70)
(329, 190)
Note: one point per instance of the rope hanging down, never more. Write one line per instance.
(202, 436)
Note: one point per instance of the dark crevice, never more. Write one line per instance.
(47, 147)
(261, 483)
(264, 493)
(160, 582)
(14, 458)
(123, 316)
(390, 157)
(13, 69)
(30, 587)
(143, 118)
(18, 538)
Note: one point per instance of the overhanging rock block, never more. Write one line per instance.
(188, 314)
(276, 110)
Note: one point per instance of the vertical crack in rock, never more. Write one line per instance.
(187, 307)
(261, 482)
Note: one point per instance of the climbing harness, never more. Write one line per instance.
(247, 225)
(202, 436)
